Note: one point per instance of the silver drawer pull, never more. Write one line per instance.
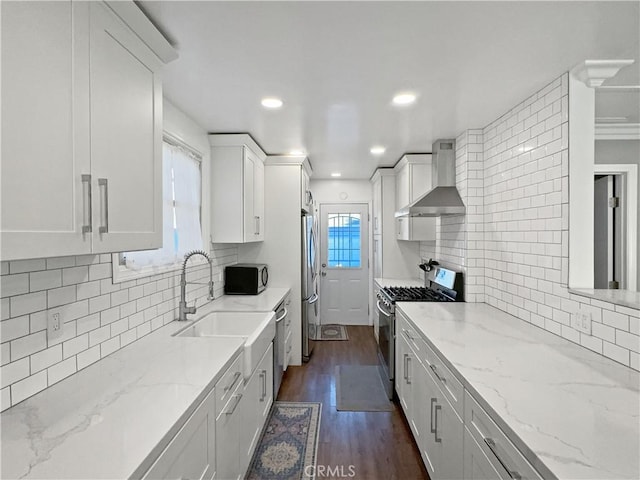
(433, 400)
(86, 204)
(408, 370)
(238, 397)
(435, 422)
(496, 452)
(236, 376)
(435, 372)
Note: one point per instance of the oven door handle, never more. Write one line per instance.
(380, 309)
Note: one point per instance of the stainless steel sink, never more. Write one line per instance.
(257, 330)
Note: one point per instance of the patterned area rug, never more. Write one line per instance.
(289, 443)
(333, 332)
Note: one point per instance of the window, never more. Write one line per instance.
(344, 240)
(182, 229)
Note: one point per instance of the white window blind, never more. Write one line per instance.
(182, 229)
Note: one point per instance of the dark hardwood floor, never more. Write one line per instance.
(359, 445)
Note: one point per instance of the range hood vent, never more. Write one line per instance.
(443, 199)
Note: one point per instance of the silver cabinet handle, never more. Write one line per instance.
(259, 225)
(255, 225)
(435, 372)
(236, 376)
(284, 314)
(496, 452)
(406, 356)
(86, 204)
(264, 385)
(435, 432)
(433, 400)
(238, 397)
(103, 184)
(408, 370)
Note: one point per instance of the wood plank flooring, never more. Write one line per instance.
(358, 445)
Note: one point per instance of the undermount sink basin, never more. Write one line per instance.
(257, 329)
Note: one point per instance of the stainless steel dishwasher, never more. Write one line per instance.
(278, 348)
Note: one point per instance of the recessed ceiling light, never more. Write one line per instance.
(336, 174)
(404, 99)
(377, 150)
(271, 102)
(296, 152)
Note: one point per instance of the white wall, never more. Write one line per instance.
(341, 191)
(100, 317)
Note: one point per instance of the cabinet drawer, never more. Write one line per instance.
(227, 384)
(288, 349)
(414, 340)
(450, 385)
(503, 455)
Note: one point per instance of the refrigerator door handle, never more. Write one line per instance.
(313, 299)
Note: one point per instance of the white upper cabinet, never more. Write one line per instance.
(126, 136)
(413, 179)
(81, 151)
(237, 189)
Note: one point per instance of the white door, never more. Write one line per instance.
(344, 259)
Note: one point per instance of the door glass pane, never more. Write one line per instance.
(343, 240)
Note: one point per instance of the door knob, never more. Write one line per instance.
(324, 274)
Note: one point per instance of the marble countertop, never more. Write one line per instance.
(399, 282)
(266, 301)
(626, 298)
(571, 412)
(112, 419)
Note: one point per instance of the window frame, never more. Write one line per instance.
(123, 274)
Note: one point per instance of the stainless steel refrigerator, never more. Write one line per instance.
(310, 294)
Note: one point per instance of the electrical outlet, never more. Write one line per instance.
(55, 324)
(581, 321)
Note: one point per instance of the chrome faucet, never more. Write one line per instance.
(183, 310)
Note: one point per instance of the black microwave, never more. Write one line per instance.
(245, 279)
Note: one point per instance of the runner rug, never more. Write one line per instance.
(333, 332)
(288, 446)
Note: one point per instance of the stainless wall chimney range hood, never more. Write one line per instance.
(443, 199)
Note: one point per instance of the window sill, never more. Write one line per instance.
(123, 274)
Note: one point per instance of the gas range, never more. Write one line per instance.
(446, 286)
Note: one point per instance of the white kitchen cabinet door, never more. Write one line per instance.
(377, 205)
(420, 178)
(228, 427)
(191, 453)
(416, 228)
(256, 403)
(126, 136)
(258, 199)
(377, 256)
(45, 118)
(477, 465)
(403, 181)
(237, 189)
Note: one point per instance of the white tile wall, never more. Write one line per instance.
(100, 317)
(513, 243)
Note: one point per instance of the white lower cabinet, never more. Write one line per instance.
(256, 403)
(456, 437)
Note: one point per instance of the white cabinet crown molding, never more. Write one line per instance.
(235, 139)
(135, 18)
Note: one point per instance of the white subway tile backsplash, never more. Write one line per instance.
(31, 302)
(29, 386)
(14, 371)
(75, 275)
(14, 284)
(5, 353)
(616, 320)
(60, 262)
(88, 290)
(45, 280)
(61, 296)
(5, 398)
(23, 266)
(75, 345)
(109, 346)
(628, 341)
(62, 370)
(616, 353)
(14, 328)
(99, 335)
(46, 358)
(86, 358)
(100, 271)
(28, 345)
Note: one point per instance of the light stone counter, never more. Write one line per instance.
(266, 301)
(626, 298)
(573, 413)
(399, 282)
(112, 419)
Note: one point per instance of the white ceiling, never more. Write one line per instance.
(336, 66)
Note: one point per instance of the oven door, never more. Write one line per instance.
(386, 346)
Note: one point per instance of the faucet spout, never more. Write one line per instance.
(183, 309)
